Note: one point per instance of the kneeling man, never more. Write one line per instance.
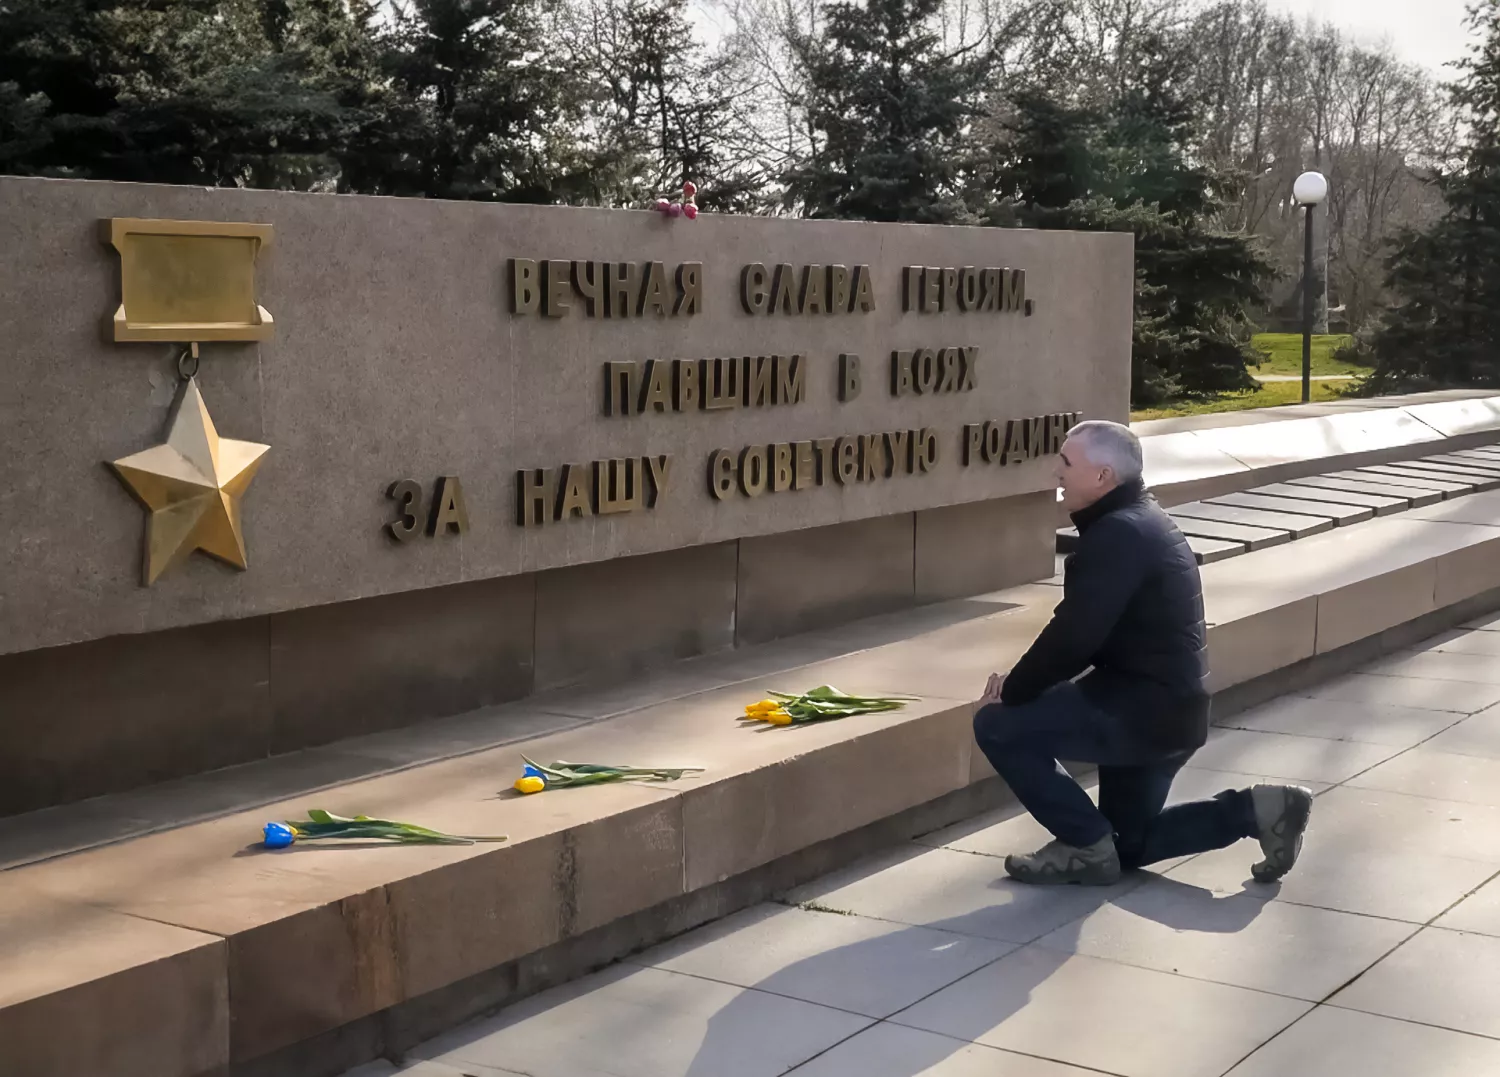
(1132, 609)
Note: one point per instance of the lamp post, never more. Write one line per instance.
(1309, 190)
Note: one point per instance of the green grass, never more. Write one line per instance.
(1271, 395)
(1283, 353)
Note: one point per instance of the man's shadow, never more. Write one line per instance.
(1010, 981)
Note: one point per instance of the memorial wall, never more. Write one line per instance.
(284, 467)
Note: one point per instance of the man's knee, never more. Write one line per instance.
(992, 724)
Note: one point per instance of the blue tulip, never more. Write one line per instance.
(279, 835)
(529, 771)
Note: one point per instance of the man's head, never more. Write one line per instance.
(1097, 457)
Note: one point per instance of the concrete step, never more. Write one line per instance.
(190, 950)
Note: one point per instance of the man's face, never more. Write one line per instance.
(1081, 482)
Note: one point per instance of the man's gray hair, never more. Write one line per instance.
(1110, 445)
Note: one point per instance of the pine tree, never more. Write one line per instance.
(1126, 168)
(190, 92)
(891, 112)
(1446, 329)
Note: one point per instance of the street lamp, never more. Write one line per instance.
(1309, 190)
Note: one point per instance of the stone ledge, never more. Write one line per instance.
(308, 960)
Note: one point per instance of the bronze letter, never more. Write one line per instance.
(992, 442)
(1036, 438)
(687, 384)
(721, 474)
(409, 493)
(660, 470)
(689, 289)
(617, 485)
(758, 380)
(864, 291)
(901, 379)
(721, 384)
(1015, 443)
(872, 463)
(950, 289)
(621, 384)
(989, 290)
(536, 496)
(524, 291)
(622, 280)
(848, 377)
(1015, 289)
(575, 492)
(973, 443)
(814, 282)
(948, 379)
(781, 467)
(784, 291)
(838, 289)
(790, 379)
(657, 395)
(654, 293)
(898, 450)
(932, 290)
(924, 367)
(804, 471)
(753, 470)
(825, 459)
(848, 459)
(557, 275)
(968, 288)
(968, 363)
(753, 295)
(449, 508)
(912, 294)
(588, 279)
(925, 448)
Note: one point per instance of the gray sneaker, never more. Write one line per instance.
(1281, 814)
(1056, 863)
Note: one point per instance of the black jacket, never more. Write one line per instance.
(1132, 609)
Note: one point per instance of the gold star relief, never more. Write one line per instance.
(192, 485)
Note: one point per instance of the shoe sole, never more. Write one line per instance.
(1289, 830)
(1090, 876)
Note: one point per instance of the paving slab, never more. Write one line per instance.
(1107, 1016)
(1449, 979)
(889, 1050)
(1297, 525)
(1465, 461)
(643, 1022)
(1477, 912)
(1413, 497)
(1456, 697)
(1289, 757)
(852, 963)
(1383, 504)
(1481, 480)
(1402, 824)
(1429, 772)
(1370, 723)
(1478, 734)
(1450, 485)
(1171, 926)
(1341, 515)
(1252, 538)
(1330, 1042)
(1440, 666)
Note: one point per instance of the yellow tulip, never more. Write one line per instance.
(530, 784)
(763, 706)
(779, 717)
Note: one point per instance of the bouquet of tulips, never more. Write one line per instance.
(535, 776)
(321, 825)
(818, 705)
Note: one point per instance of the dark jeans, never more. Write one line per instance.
(1024, 744)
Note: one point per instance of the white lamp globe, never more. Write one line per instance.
(1310, 188)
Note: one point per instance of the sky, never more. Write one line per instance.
(1431, 33)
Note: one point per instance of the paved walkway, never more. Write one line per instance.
(1378, 956)
(1298, 377)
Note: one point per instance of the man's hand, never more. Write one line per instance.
(992, 690)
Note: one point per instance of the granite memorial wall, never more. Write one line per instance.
(435, 456)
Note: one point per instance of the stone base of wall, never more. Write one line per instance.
(126, 711)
